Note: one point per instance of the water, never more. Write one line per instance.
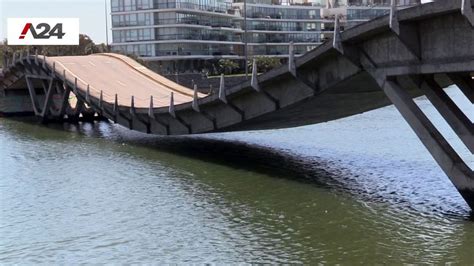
(358, 190)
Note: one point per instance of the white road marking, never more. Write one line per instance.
(121, 83)
(92, 64)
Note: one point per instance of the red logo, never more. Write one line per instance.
(25, 30)
(45, 32)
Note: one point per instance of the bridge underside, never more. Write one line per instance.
(417, 51)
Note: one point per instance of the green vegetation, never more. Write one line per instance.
(227, 66)
(86, 46)
(231, 67)
(265, 63)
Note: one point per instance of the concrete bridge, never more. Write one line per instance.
(411, 52)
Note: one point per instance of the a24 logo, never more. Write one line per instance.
(44, 31)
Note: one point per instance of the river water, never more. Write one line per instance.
(358, 190)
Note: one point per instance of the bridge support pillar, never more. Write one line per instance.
(450, 162)
(465, 83)
(456, 119)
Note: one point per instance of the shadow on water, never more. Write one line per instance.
(304, 210)
(233, 154)
(273, 162)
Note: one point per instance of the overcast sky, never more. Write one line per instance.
(91, 14)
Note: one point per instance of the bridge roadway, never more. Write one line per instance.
(391, 59)
(117, 74)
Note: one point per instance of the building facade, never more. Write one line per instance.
(182, 35)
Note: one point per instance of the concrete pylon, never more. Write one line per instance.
(394, 24)
(291, 59)
(448, 109)
(447, 158)
(254, 80)
(171, 107)
(52, 73)
(28, 59)
(195, 103)
(151, 112)
(336, 40)
(132, 105)
(13, 58)
(115, 108)
(36, 57)
(222, 94)
(74, 89)
(101, 100)
(88, 97)
(44, 61)
(466, 10)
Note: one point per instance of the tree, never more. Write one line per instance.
(86, 46)
(227, 66)
(265, 63)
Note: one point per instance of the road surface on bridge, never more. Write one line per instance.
(116, 74)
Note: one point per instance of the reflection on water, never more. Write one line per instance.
(360, 189)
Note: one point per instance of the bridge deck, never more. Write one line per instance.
(115, 74)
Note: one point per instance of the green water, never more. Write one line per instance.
(95, 193)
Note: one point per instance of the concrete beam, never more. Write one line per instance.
(337, 40)
(172, 113)
(115, 108)
(152, 118)
(254, 80)
(64, 99)
(466, 11)
(36, 57)
(48, 100)
(406, 32)
(151, 111)
(456, 119)
(222, 92)
(133, 112)
(195, 104)
(88, 92)
(450, 162)
(465, 83)
(101, 102)
(291, 59)
(33, 96)
(171, 109)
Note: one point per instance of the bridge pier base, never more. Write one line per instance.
(447, 158)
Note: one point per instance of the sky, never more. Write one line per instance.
(91, 14)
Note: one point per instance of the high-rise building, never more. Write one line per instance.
(182, 35)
